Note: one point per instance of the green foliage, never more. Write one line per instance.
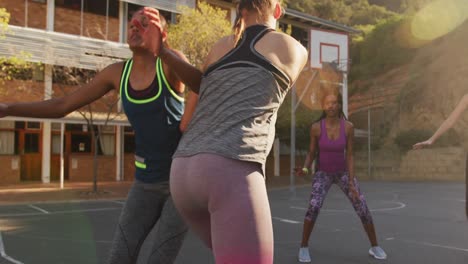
(198, 30)
(406, 139)
(380, 50)
(304, 119)
(4, 19)
(402, 6)
(349, 12)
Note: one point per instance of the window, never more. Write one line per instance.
(56, 144)
(27, 13)
(33, 125)
(132, 8)
(81, 143)
(31, 143)
(106, 140)
(129, 140)
(7, 137)
(95, 19)
(56, 126)
(129, 143)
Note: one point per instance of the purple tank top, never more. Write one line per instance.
(331, 156)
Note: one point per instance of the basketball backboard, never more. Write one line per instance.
(329, 47)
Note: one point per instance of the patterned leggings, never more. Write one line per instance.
(320, 186)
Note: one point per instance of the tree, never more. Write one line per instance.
(64, 77)
(349, 12)
(197, 30)
(4, 19)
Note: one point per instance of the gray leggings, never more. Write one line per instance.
(146, 205)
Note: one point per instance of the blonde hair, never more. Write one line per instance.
(261, 7)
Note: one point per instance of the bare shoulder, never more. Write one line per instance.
(349, 127)
(219, 49)
(315, 128)
(285, 39)
(111, 74)
(114, 69)
(284, 52)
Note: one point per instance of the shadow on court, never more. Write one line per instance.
(416, 223)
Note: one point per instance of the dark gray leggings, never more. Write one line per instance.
(146, 205)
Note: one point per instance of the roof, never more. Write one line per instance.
(317, 22)
(99, 118)
(301, 19)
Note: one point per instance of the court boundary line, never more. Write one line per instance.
(400, 206)
(4, 254)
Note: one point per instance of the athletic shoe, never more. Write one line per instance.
(304, 255)
(377, 252)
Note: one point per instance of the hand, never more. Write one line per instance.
(423, 144)
(352, 190)
(299, 171)
(153, 33)
(3, 108)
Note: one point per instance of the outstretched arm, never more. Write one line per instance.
(446, 125)
(59, 107)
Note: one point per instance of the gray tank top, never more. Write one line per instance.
(238, 104)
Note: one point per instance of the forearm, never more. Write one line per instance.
(309, 160)
(186, 72)
(350, 166)
(43, 109)
(451, 120)
(446, 125)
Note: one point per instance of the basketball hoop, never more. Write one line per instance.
(341, 65)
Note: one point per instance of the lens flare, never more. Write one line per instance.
(312, 83)
(438, 18)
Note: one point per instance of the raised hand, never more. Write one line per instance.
(153, 33)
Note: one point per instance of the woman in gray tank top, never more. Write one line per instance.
(217, 176)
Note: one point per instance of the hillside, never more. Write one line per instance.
(424, 92)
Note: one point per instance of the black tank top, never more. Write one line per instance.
(244, 54)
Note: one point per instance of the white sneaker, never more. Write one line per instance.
(377, 252)
(304, 255)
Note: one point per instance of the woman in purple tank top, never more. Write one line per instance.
(331, 141)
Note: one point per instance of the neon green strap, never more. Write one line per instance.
(140, 165)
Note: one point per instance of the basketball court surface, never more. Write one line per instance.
(416, 223)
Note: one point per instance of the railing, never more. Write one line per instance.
(62, 49)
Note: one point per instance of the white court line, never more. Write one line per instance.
(454, 200)
(38, 208)
(435, 245)
(400, 206)
(62, 239)
(63, 212)
(286, 220)
(3, 253)
(118, 202)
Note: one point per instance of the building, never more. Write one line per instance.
(84, 34)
